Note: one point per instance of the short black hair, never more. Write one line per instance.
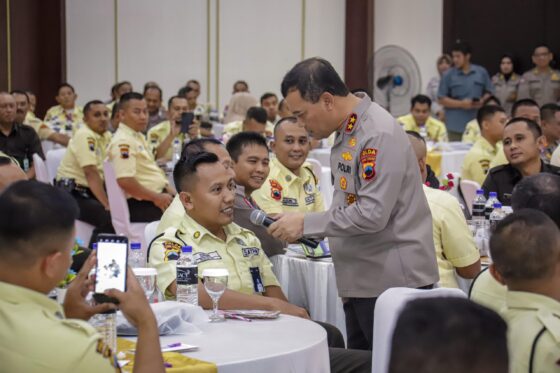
(185, 169)
(240, 140)
(184, 90)
(281, 121)
(540, 192)
(420, 99)
(257, 113)
(525, 245)
(490, 98)
(88, 106)
(487, 112)
(32, 214)
(206, 125)
(548, 111)
(442, 335)
(197, 146)
(461, 46)
(523, 102)
(60, 86)
(156, 87)
(313, 77)
(128, 97)
(193, 81)
(542, 45)
(268, 95)
(170, 101)
(531, 124)
(4, 161)
(120, 84)
(416, 135)
(240, 82)
(20, 92)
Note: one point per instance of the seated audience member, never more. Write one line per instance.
(255, 121)
(117, 91)
(17, 140)
(522, 140)
(419, 120)
(156, 112)
(175, 213)
(238, 105)
(145, 184)
(291, 184)
(191, 96)
(456, 251)
(32, 104)
(44, 131)
(540, 192)
(283, 110)
(81, 170)
(10, 171)
(250, 156)
(550, 124)
(269, 102)
(525, 248)
(67, 114)
(115, 117)
(161, 136)
(206, 130)
(195, 86)
(476, 163)
(472, 129)
(36, 333)
(443, 335)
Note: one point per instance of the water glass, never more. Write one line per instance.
(215, 282)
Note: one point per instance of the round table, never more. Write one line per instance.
(285, 344)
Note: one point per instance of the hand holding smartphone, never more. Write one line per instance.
(111, 271)
(186, 121)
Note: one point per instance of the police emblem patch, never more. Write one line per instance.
(367, 161)
(351, 123)
(172, 250)
(347, 156)
(343, 183)
(275, 190)
(124, 150)
(350, 199)
(91, 143)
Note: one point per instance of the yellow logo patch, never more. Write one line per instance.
(347, 156)
(343, 183)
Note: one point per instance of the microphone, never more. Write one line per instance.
(258, 217)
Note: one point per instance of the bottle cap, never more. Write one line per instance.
(186, 249)
(480, 191)
(493, 194)
(497, 205)
(135, 246)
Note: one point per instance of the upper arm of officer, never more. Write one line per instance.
(84, 147)
(268, 198)
(123, 156)
(163, 253)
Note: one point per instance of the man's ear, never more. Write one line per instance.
(328, 100)
(273, 146)
(541, 141)
(50, 264)
(186, 200)
(494, 272)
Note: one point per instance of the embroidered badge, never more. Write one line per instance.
(200, 257)
(347, 156)
(275, 190)
(352, 142)
(351, 123)
(91, 143)
(343, 183)
(250, 251)
(124, 151)
(350, 199)
(367, 160)
(172, 250)
(290, 202)
(309, 200)
(485, 164)
(196, 234)
(308, 188)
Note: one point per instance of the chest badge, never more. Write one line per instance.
(275, 190)
(351, 123)
(350, 199)
(367, 161)
(308, 188)
(343, 183)
(347, 156)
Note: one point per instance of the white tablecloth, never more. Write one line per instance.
(312, 285)
(286, 344)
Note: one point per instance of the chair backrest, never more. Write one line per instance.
(387, 310)
(120, 215)
(469, 188)
(41, 173)
(317, 168)
(150, 231)
(54, 157)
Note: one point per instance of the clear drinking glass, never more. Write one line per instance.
(147, 279)
(215, 282)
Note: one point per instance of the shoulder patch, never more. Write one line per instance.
(368, 157)
(275, 190)
(351, 123)
(172, 251)
(91, 143)
(124, 150)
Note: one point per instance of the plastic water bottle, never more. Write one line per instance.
(136, 259)
(176, 151)
(187, 277)
(106, 325)
(478, 207)
(492, 199)
(497, 214)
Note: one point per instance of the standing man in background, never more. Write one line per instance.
(542, 83)
(462, 90)
(379, 225)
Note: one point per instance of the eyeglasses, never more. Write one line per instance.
(543, 54)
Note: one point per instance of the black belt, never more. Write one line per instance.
(70, 186)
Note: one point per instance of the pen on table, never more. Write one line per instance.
(237, 317)
(176, 344)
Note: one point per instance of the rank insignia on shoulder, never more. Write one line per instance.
(91, 143)
(124, 150)
(275, 190)
(343, 183)
(352, 142)
(347, 156)
(367, 160)
(351, 123)
(350, 199)
(172, 251)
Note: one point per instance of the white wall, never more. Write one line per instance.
(416, 25)
(166, 41)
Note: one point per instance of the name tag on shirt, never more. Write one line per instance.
(258, 286)
(200, 257)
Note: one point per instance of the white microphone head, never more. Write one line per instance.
(257, 217)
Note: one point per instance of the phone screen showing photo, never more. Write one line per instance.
(111, 266)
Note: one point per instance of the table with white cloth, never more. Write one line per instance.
(285, 344)
(311, 284)
(445, 158)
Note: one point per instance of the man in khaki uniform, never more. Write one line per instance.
(291, 184)
(379, 225)
(81, 170)
(542, 83)
(136, 170)
(525, 248)
(419, 120)
(476, 164)
(66, 116)
(550, 124)
(255, 121)
(36, 333)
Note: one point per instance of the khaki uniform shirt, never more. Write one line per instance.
(472, 132)
(506, 90)
(477, 161)
(239, 254)
(379, 224)
(533, 332)
(172, 216)
(453, 240)
(131, 157)
(158, 133)
(500, 158)
(284, 191)
(75, 119)
(42, 128)
(544, 88)
(86, 148)
(35, 337)
(436, 129)
(487, 291)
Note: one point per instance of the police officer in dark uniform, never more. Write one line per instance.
(522, 141)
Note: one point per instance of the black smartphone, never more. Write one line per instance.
(112, 259)
(186, 121)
